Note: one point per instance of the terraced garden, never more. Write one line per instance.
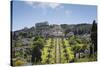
(56, 50)
(48, 52)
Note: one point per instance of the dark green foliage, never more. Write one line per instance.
(94, 35)
(76, 49)
(78, 29)
(82, 29)
(78, 41)
(36, 38)
(22, 34)
(37, 46)
(72, 40)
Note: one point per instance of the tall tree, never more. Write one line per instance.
(94, 37)
(37, 46)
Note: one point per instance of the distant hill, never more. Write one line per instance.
(77, 29)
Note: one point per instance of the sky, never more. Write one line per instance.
(28, 13)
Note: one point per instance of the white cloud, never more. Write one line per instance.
(53, 5)
(32, 4)
(43, 4)
(68, 12)
(29, 2)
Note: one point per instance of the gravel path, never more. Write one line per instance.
(57, 51)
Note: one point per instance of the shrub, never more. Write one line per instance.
(19, 62)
